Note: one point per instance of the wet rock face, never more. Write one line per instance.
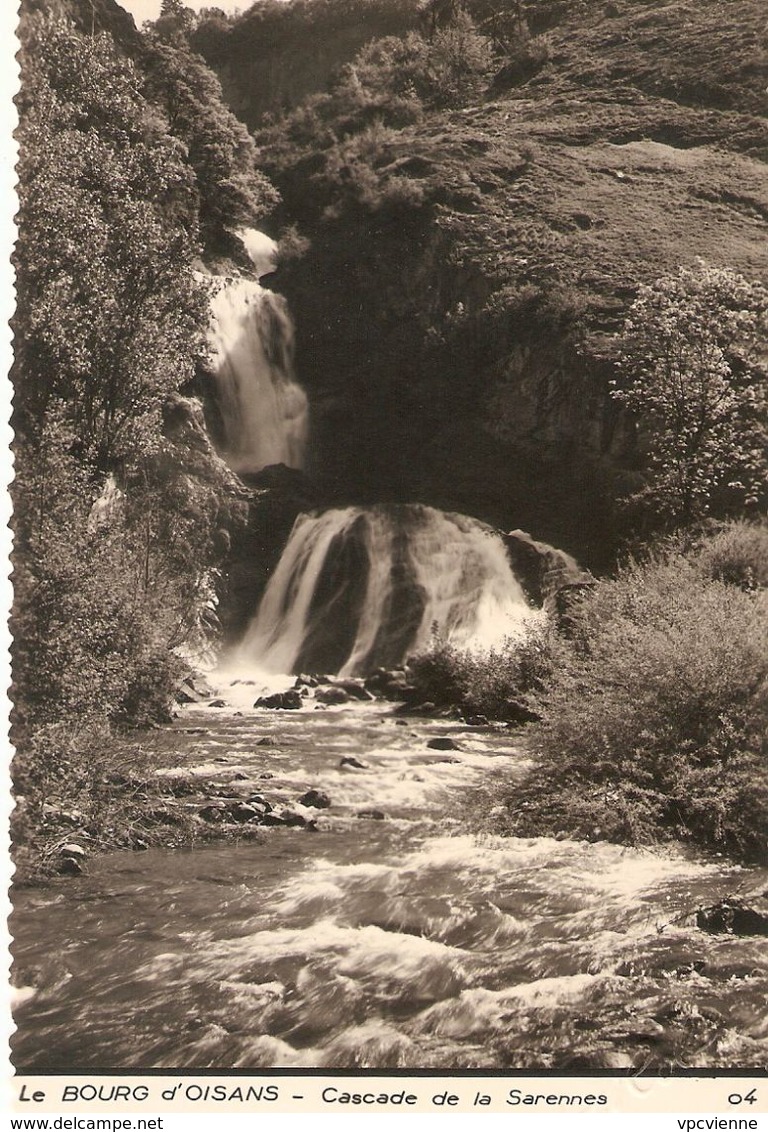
(275, 497)
(317, 799)
(542, 570)
(735, 917)
(291, 700)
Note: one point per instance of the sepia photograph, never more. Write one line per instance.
(390, 549)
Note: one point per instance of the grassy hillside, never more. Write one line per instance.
(695, 54)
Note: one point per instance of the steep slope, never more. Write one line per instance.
(470, 260)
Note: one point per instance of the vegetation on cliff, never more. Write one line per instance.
(692, 369)
(473, 249)
(121, 508)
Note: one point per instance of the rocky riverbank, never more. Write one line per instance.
(129, 798)
(162, 801)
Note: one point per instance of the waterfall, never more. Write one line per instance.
(357, 588)
(264, 410)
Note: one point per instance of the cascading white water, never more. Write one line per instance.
(264, 410)
(356, 588)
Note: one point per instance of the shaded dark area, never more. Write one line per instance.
(403, 611)
(337, 602)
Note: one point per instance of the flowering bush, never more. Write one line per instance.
(655, 717)
(691, 367)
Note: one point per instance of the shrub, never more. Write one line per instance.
(357, 164)
(501, 683)
(447, 69)
(441, 673)
(656, 716)
(692, 369)
(737, 554)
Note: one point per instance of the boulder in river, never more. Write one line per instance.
(69, 866)
(244, 811)
(426, 708)
(735, 916)
(355, 689)
(213, 812)
(193, 690)
(72, 857)
(272, 819)
(332, 695)
(349, 762)
(306, 680)
(290, 817)
(391, 684)
(261, 807)
(443, 743)
(400, 691)
(281, 701)
(318, 799)
(218, 703)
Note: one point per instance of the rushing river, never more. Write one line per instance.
(405, 941)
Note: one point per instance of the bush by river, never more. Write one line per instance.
(652, 702)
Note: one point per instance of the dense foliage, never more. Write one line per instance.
(218, 148)
(110, 317)
(654, 706)
(122, 511)
(692, 369)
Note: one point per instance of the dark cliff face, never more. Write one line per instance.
(92, 15)
(507, 422)
(460, 356)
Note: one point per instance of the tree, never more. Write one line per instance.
(110, 318)
(692, 369)
(175, 18)
(232, 191)
(109, 326)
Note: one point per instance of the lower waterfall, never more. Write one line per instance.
(359, 588)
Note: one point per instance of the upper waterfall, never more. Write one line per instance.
(264, 410)
(357, 588)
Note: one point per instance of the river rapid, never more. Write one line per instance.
(402, 941)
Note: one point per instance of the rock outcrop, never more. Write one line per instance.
(542, 570)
